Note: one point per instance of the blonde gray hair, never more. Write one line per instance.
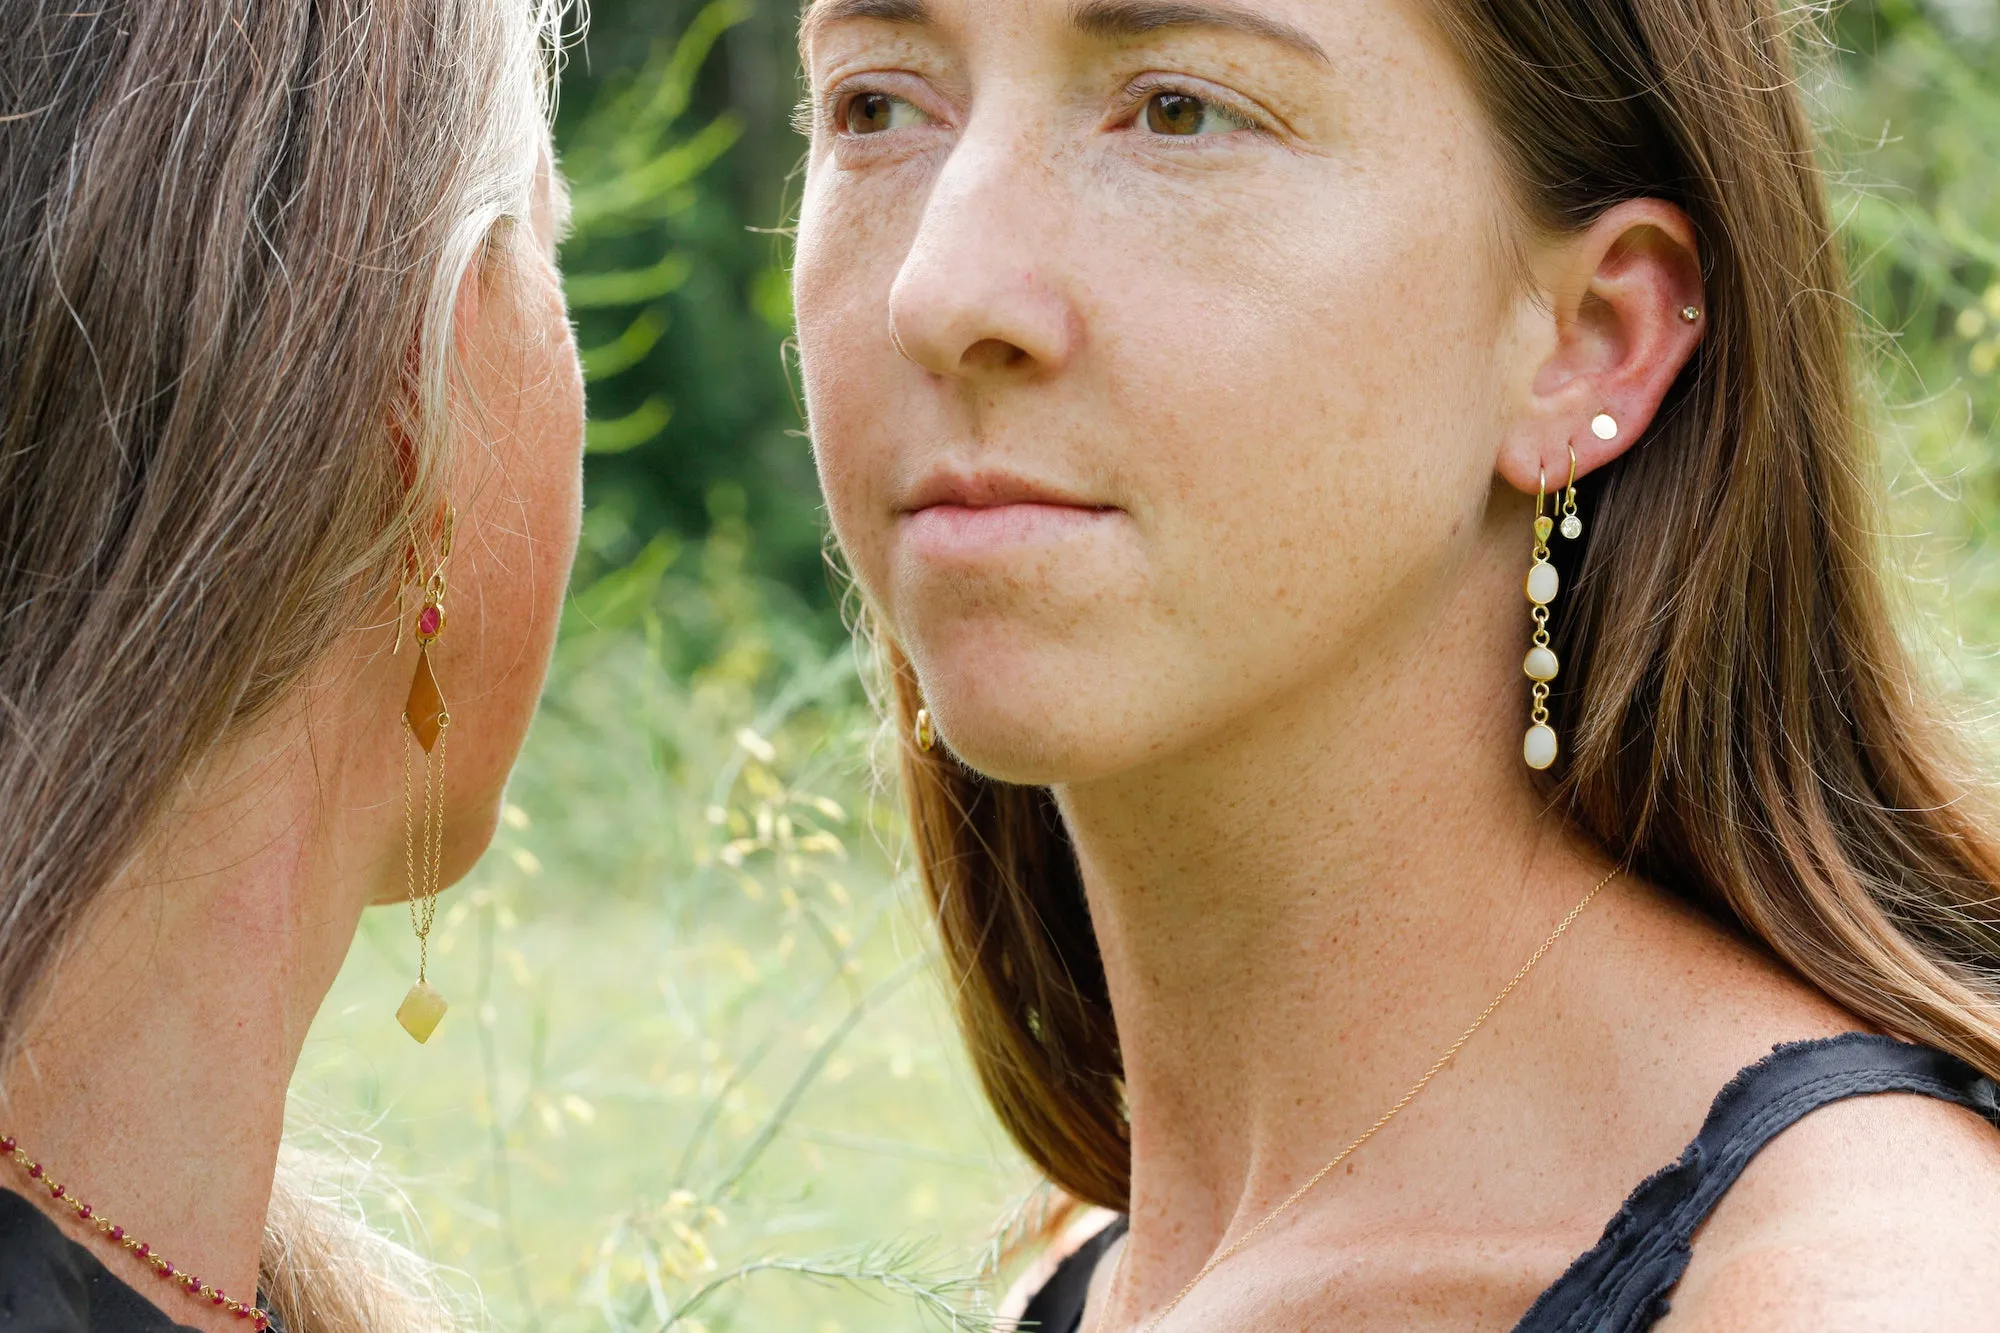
(232, 238)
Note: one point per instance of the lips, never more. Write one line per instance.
(991, 490)
(959, 517)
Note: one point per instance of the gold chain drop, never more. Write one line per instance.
(1415, 1090)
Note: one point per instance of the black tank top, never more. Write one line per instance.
(1622, 1284)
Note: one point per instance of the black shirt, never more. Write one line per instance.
(1624, 1282)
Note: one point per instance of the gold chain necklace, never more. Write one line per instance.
(253, 1317)
(1416, 1088)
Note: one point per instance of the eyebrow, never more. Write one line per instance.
(1095, 18)
(1136, 18)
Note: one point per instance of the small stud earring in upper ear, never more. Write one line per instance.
(1691, 313)
(1604, 426)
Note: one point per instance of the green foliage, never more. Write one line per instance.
(1912, 103)
(675, 133)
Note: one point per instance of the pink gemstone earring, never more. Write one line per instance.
(426, 721)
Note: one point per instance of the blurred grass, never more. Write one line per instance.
(697, 1067)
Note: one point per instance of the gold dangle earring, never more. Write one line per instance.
(1572, 526)
(426, 721)
(1538, 747)
(924, 733)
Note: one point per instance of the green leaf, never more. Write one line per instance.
(627, 350)
(628, 432)
(633, 286)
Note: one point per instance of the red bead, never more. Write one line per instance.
(117, 1235)
(219, 1299)
(57, 1191)
(143, 1250)
(83, 1211)
(260, 1323)
(429, 619)
(7, 1143)
(166, 1271)
(191, 1282)
(34, 1170)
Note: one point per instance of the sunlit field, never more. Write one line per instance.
(699, 1072)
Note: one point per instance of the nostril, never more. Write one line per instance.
(994, 354)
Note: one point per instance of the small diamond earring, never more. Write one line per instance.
(1572, 526)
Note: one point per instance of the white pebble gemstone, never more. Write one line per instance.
(1604, 426)
(1541, 664)
(1538, 747)
(1543, 583)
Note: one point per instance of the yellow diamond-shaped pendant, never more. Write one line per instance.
(1544, 525)
(420, 1011)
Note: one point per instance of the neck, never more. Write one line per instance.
(152, 1081)
(1298, 917)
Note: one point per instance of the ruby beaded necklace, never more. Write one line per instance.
(195, 1288)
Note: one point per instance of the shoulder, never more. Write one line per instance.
(1877, 1213)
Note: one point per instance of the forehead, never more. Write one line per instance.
(1090, 18)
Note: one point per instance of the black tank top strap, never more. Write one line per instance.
(1622, 1284)
(1058, 1307)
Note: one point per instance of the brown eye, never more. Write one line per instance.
(1174, 113)
(1184, 115)
(872, 113)
(869, 113)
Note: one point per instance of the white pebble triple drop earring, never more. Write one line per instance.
(1539, 746)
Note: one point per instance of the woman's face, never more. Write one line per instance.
(1156, 354)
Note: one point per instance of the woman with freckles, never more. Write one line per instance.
(1365, 510)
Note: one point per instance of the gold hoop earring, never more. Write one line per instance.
(1572, 526)
(924, 733)
(426, 721)
(1538, 747)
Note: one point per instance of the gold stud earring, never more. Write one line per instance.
(1604, 426)
(1538, 747)
(426, 721)
(924, 733)
(1691, 314)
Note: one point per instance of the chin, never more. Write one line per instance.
(1013, 723)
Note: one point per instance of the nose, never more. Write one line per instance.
(977, 295)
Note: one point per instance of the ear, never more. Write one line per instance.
(1610, 337)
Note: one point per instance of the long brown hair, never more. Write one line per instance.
(1746, 727)
(224, 226)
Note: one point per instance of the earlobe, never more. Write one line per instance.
(1617, 297)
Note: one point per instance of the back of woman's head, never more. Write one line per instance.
(1743, 725)
(231, 239)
